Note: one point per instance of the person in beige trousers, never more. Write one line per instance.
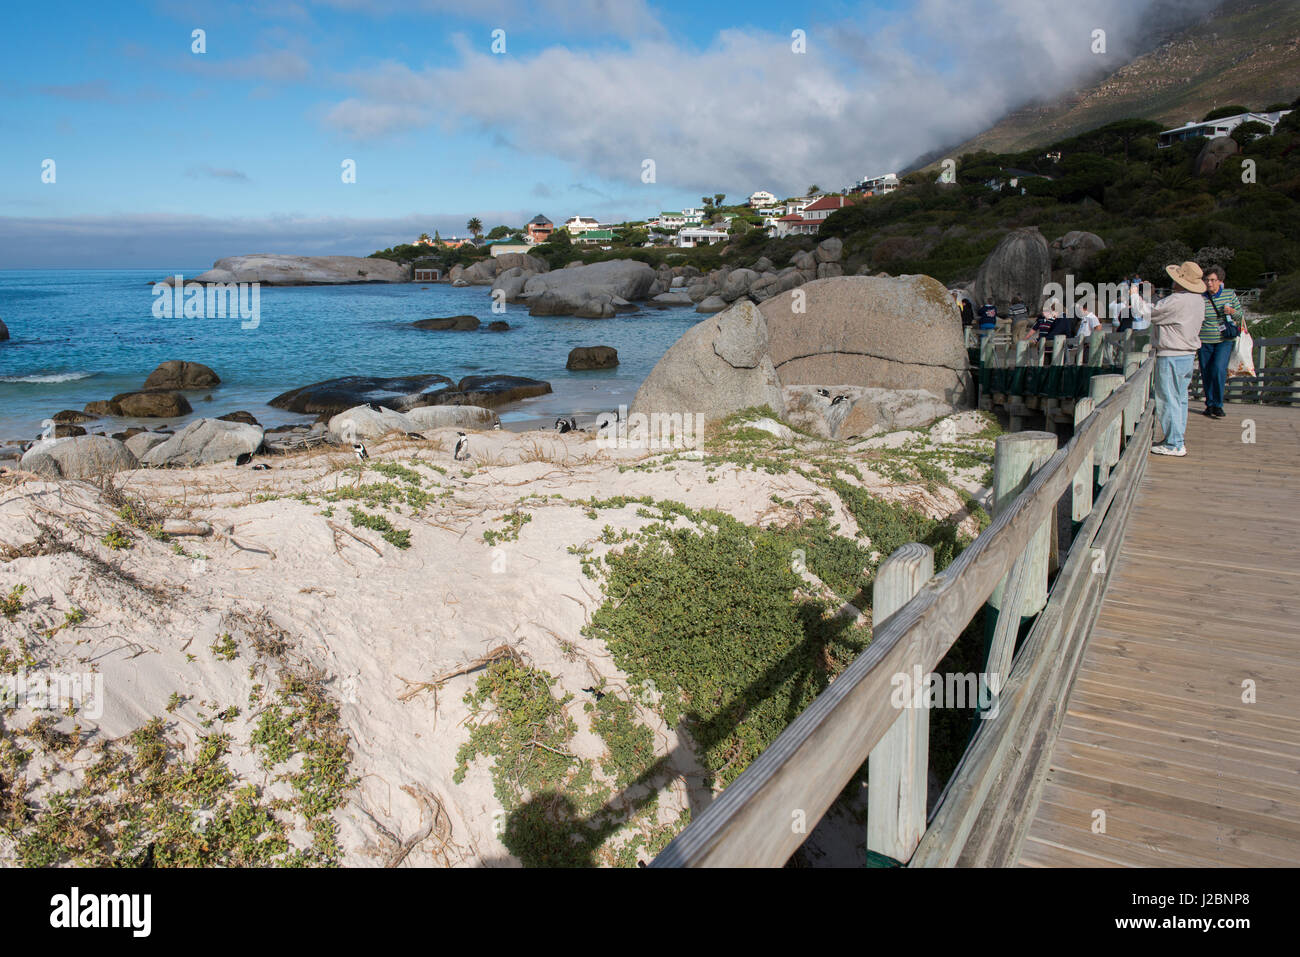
(1175, 338)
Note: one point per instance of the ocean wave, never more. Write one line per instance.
(39, 377)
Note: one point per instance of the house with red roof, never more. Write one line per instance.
(808, 220)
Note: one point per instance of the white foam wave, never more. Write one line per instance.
(40, 377)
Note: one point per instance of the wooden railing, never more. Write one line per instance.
(1275, 384)
(918, 616)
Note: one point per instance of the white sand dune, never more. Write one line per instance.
(371, 618)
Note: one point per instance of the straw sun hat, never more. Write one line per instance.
(1188, 275)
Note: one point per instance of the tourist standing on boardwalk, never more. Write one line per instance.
(1139, 309)
(1175, 327)
(1221, 305)
(988, 315)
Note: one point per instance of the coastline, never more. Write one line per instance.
(43, 373)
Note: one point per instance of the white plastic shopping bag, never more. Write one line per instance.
(1242, 361)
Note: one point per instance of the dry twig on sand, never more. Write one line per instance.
(439, 827)
(499, 653)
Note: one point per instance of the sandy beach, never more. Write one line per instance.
(282, 588)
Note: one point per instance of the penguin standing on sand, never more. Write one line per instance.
(461, 452)
(360, 451)
(563, 425)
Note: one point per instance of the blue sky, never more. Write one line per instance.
(163, 155)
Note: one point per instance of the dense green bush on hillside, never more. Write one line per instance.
(1147, 203)
(1283, 294)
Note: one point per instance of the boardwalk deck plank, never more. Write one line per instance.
(1205, 593)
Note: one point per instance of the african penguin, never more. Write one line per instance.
(563, 425)
(361, 452)
(824, 393)
(244, 458)
(838, 399)
(461, 452)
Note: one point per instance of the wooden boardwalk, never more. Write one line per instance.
(1204, 599)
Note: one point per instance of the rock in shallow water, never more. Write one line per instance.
(455, 323)
(592, 357)
(176, 374)
(408, 392)
(151, 405)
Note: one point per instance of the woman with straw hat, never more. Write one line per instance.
(1175, 337)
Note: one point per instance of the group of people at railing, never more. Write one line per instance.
(1195, 323)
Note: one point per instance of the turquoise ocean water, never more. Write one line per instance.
(79, 335)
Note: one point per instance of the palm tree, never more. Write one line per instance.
(424, 238)
(814, 189)
(718, 198)
(475, 226)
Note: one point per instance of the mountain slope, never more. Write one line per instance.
(1246, 52)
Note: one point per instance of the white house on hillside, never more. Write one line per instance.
(689, 238)
(879, 185)
(1220, 127)
(580, 224)
(761, 198)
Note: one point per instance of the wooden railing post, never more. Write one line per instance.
(1137, 401)
(1022, 592)
(899, 763)
(1081, 490)
(1107, 451)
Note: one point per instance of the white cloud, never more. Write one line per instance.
(747, 111)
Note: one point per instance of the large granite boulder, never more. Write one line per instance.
(482, 272)
(719, 366)
(1073, 251)
(870, 332)
(457, 323)
(510, 283)
(828, 250)
(864, 411)
(450, 417)
(594, 291)
(151, 405)
(1214, 154)
(1021, 265)
(336, 395)
(141, 442)
(737, 284)
(176, 374)
(84, 456)
(204, 441)
(364, 423)
(271, 269)
(712, 304)
(592, 357)
(529, 264)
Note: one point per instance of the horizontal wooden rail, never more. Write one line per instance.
(801, 773)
